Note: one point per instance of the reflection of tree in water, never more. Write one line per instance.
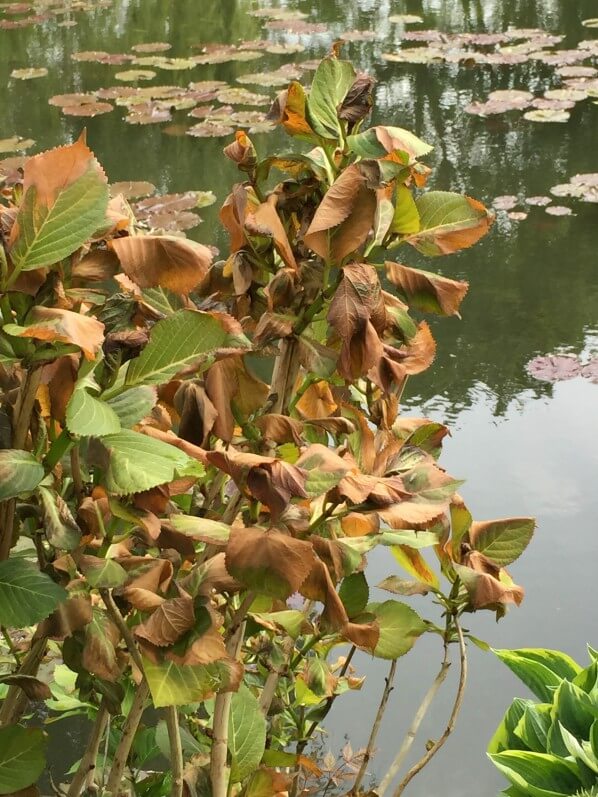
(534, 286)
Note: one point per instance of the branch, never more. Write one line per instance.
(176, 751)
(285, 373)
(129, 730)
(88, 762)
(376, 727)
(15, 702)
(417, 767)
(274, 675)
(124, 629)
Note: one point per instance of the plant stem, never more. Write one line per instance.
(219, 770)
(114, 784)
(429, 754)
(176, 750)
(274, 675)
(124, 629)
(88, 763)
(15, 702)
(76, 473)
(376, 727)
(285, 373)
(11, 645)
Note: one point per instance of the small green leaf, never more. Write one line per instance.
(246, 734)
(400, 626)
(448, 223)
(88, 416)
(332, 81)
(538, 774)
(503, 541)
(406, 216)
(354, 592)
(176, 343)
(26, 594)
(22, 757)
(178, 684)
(20, 472)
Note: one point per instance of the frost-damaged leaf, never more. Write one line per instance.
(414, 563)
(246, 734)
(269, 562)
(332, 81)
(377, 142)
(20, 472)
(135, 462)
(168, 622)
(202, 529)
(400, 626)
(271, 783)
(264, 220)
(357, 313)
(26, 594)
(51, 325)
(60, 526)
(22, 757)
(177, 343)
(427, 291)
(100, 655)
(402, 586)
(488, 586)
(152, 260)
(449, 222)
(346, 215)
(33, 687)
(102, 573)
(65, 197)
(178, 684)
(503, 541)
(70, 616)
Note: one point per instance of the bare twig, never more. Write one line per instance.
(87, 764)
(76, 473)
(126, 741)
(285, 373)
(15, 702)
(419, 765)
(388, 687)
(176, 751)
(274, 675)
(124, 629)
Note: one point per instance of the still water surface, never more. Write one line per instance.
(524, 447)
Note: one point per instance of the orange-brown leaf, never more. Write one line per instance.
(55, 325)
(427, 291)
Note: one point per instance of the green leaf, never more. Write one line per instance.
(573, 709)
(102, 573)
(449, 222)
(406, 216)
(354, 592)
(332, 81)
(246, 734)
(47, 236)
(87, 416)
(20, 472)
(22, 757)
(369, 143)
(534, 726)
(538, 774)
(400, 626)
(541, 670)
(176, 343)
(291, 620)
(503, 541)
(60, 526)
(133, 405)
(26, 595)
(580, 750)
(204, 529)
(504, 737)
(178, 684)
(138, 462)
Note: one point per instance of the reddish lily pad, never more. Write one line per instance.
(590, 370)
(506, 202)
(151, 47)
(87, 109)
(559, 210)
(131, 189)
(540, 201)
(517, 215)
(554, 367)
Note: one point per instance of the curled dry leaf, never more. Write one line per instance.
(53, 325)
(168, 622)
(427, 291)
(168, 262)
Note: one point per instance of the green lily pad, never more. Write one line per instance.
(151, 47)
(538, 115)
(30, 73)
(135, 74)
(15, 144)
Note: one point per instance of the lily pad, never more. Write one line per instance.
(506, 202)
(559, 210)
(517, 215)
(15, 144)
(575, 95)
(60, 100)
(30, 73)
(539, 115)
(237, 96)
(131, 189)
(590, 370)
(101, 57)
(296, 26)
(405, 19)
(515, 96)
(540, 201)
(577, 71)
(590, 23)
(554, 367)
(135, 74)
(210, 130)
(359, 36)
(552, 105)
(87, 109)
(277, 77)
(151, 47)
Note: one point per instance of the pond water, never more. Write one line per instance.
(525, 447)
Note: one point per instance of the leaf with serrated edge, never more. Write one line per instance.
(246, 734)
(503, 541)
(20, 472)
(22, 757)
(449, 222)
(26, 594)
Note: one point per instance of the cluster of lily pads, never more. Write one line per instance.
(583, 187)
(168, 213)
(562, 367)
(24, 15)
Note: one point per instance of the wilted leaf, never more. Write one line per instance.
(60, 526)
(33, 688)
(427, 291)
(99, 652)
(177, 685)
(168, 622)
(53, 325)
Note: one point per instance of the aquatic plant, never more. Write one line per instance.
(197, 457)
(550, 747)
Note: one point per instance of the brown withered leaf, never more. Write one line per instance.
(146, 572)
(55, 325)
(281, 428)
(264, 220)
(241, 151)
(345, 216)
(205, 649)
(96, 266)
(320, 587)
(70, 616)
(177, 264)
(197, 413)
(357, 313)
(228, 382)
(269, 562)
(427, 291)
(272, 326)
(488, 586)
(100, 656)
(358, 100)
(168, 622)
(357, 524)
(289, 110)
(241, 201)
(394, 364)
(33, 687)
(317, 401)
(143, 599)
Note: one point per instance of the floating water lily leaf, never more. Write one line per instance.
(285, 48)
(590, 23)
(151, 47)
(210, 130)
(559, 210)
(87, 109)
(575, 95)
(576, 71)
(102, 57)
(544, 104)
(15, 144)
(547, 116)
(554, 367)
(277, 77)
(237, 96)
(278, 13)
(71, 99)
(132, 189)
(135, 74)
(506, 202)
(517, 215)
(517, 96)
(29, 74)
(405, 19)
(541, 201)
